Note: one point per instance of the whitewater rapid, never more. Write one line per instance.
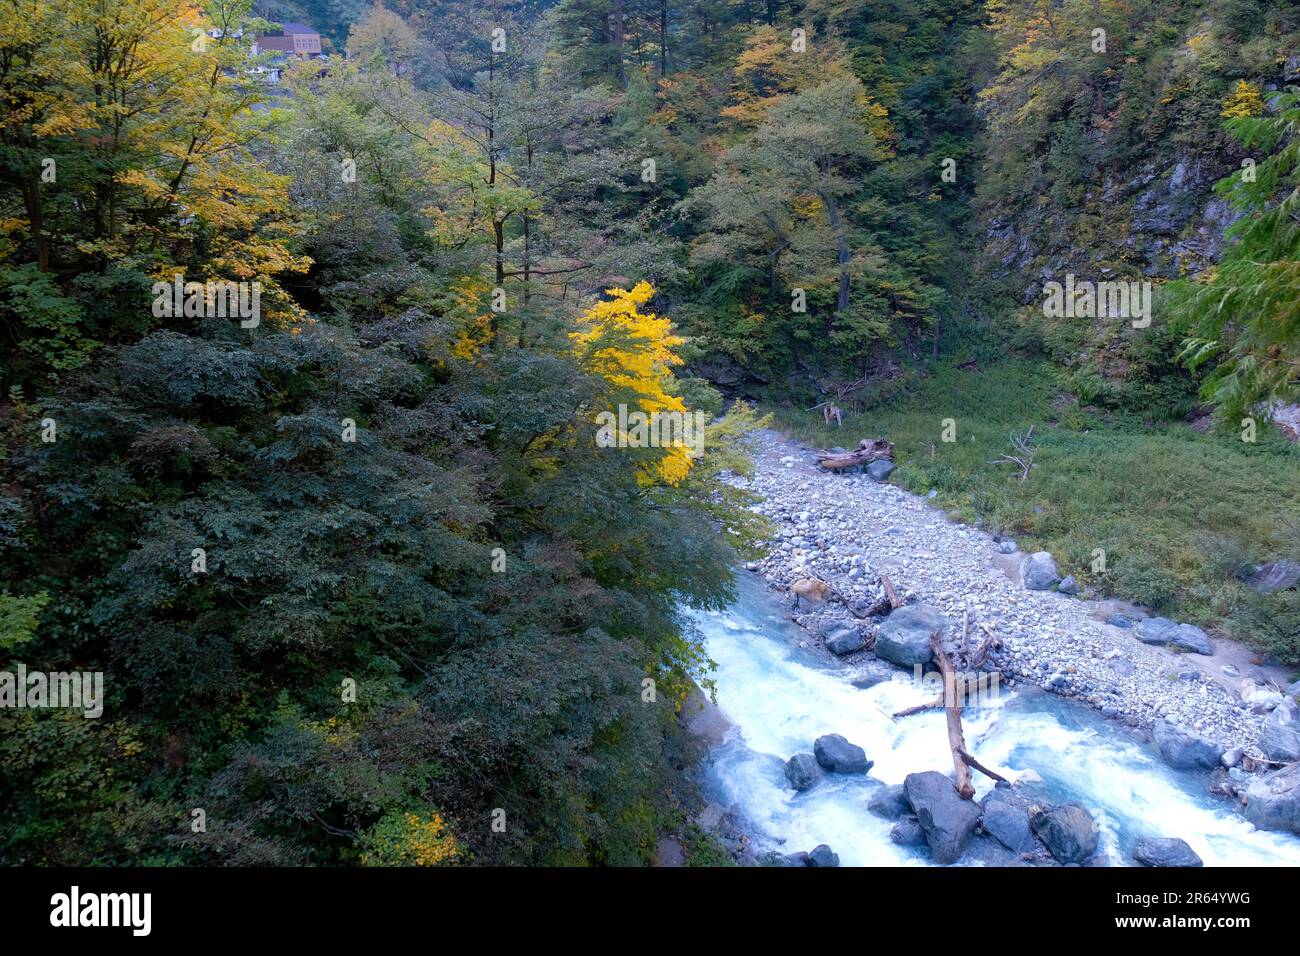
(779, 698)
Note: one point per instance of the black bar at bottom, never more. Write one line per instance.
(333, 905)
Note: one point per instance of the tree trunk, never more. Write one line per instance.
(842, 243)
(36, 218)
(663, 37)
(499, 238)
(528, 259)
(868, 450)
(962, 760)
(616, 40)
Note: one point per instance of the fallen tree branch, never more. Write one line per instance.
(970, 686)
(982, 652)
(965, 755)
(889, 601)
(1024, 453)
(919, 708)
(869, 449)
(962, 760)
(890, 594)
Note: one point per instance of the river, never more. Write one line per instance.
(779, 698)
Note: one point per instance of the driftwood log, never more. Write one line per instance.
(955, 688)
(868, 450)
(962, 760)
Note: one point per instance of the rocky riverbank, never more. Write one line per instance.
(848, 530)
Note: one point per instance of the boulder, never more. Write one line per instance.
(1007, 547)
(795, 859)
(1009, 825)
(946, 819)
(907, 832)
(1069, 585)
(904, 638)
(1274, 576)
(880, 469)
(822, 855)
(1185, 637)
(1184, 750)
(845, 640)
(837, 755)
(889, 802)
(829, 624)
(1279, 737)
(1067, 831)
(1038, 571)
(1165, 851)
(1119, 620)
(870, 672)
(1261, 699)
(1273, 800)
(1293, 690)
(801, 770)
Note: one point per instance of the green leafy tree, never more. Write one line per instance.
(1243, 319)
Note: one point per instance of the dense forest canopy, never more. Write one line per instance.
(361, 576)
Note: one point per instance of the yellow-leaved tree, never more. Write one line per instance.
(133, 133)
(634, 352)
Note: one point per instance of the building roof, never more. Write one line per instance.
(292, 29)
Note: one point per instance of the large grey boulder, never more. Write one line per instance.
(889, 802)
(837, 755)
(801, 770)
(1293, 690)
(1279, 737)
(1274, 576)
(1185, 637)
(946, 819)
(1291, 69)
(845, 640)
(1067, 831)
(880, 469)
(822, 855)
(1184, 750)
(904, 638)
(1068, 586)
(1007, 824)
(1038, 571)
(1273, 800)
(1165, 851)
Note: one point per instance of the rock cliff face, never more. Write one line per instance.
(1159, 223)
(1110, 183)
(1103, 165)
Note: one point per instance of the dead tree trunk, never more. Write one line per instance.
(962, 760)
(869, 449)
(955, 689)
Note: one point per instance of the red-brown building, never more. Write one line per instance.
(296, 38)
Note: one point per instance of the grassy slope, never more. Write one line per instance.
(1176, 511)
